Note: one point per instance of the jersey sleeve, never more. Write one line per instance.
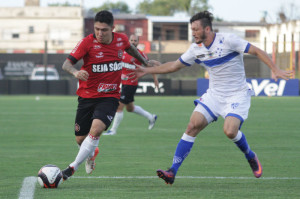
(238, 44)
(126, 42)
(188, 57)
(79, 51)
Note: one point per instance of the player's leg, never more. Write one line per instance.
(87, 147)
(231, 129)
(127, 98)
(90, 161)
(142, 112)
(236, 114)
(197, 122)
(117, 120)
(204, 113)
(103, 114)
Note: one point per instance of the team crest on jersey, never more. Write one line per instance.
(120, 54)
(119, 39)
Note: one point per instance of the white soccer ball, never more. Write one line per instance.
(50, 176)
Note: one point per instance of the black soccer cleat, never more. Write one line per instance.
(256, 166)
(168, 176)
(68, 172)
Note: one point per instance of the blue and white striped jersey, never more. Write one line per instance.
(223, 60)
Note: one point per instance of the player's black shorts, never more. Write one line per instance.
(88, 109)
(127, 94)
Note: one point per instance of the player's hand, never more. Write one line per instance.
(152, 63)
(156, 83)
(286, 75)
(82, 75)
(138, 72)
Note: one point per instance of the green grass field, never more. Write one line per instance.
(39, 132)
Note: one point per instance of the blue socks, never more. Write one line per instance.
(241, 142)
(182, 151)
(186, 143)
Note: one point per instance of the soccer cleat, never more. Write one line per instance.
(168, 176)
(68, 172)
(90, 162)
(110, 132)
(256, 166)
(152, 122)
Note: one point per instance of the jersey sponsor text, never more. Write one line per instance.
(106, 87)
(108, 67)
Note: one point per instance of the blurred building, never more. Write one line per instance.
(25, 29)
(172, 34)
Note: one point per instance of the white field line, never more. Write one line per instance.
(29, 183)
(189, 177)
(28, 187)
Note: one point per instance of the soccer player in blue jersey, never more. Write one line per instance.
(228, 95)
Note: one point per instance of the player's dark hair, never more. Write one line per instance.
(205, 17)
(105, 16)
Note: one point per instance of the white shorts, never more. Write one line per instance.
(212, 106)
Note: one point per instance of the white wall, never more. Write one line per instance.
(61, 26)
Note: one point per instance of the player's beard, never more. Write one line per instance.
(202, 38)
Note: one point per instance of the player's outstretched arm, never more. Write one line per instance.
(168, 67)
(79, 74)
(263, 56)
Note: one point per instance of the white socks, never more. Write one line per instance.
(139, 110)
(87, 147)
(119, 117)
(91, 155)
(117, 121)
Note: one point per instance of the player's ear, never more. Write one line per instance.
(112, 28)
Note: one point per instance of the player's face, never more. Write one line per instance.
(134, 40)
(198, 32)
(103, 32)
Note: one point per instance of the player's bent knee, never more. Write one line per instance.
(230, 133)
(129, 109)
(192, 129)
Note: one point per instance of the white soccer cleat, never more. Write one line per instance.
(152, 122)
(89, 165)
(90, 162)
(110, 132)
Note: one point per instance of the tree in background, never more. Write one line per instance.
(169, 8)
(119, 7)
(65, 4)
